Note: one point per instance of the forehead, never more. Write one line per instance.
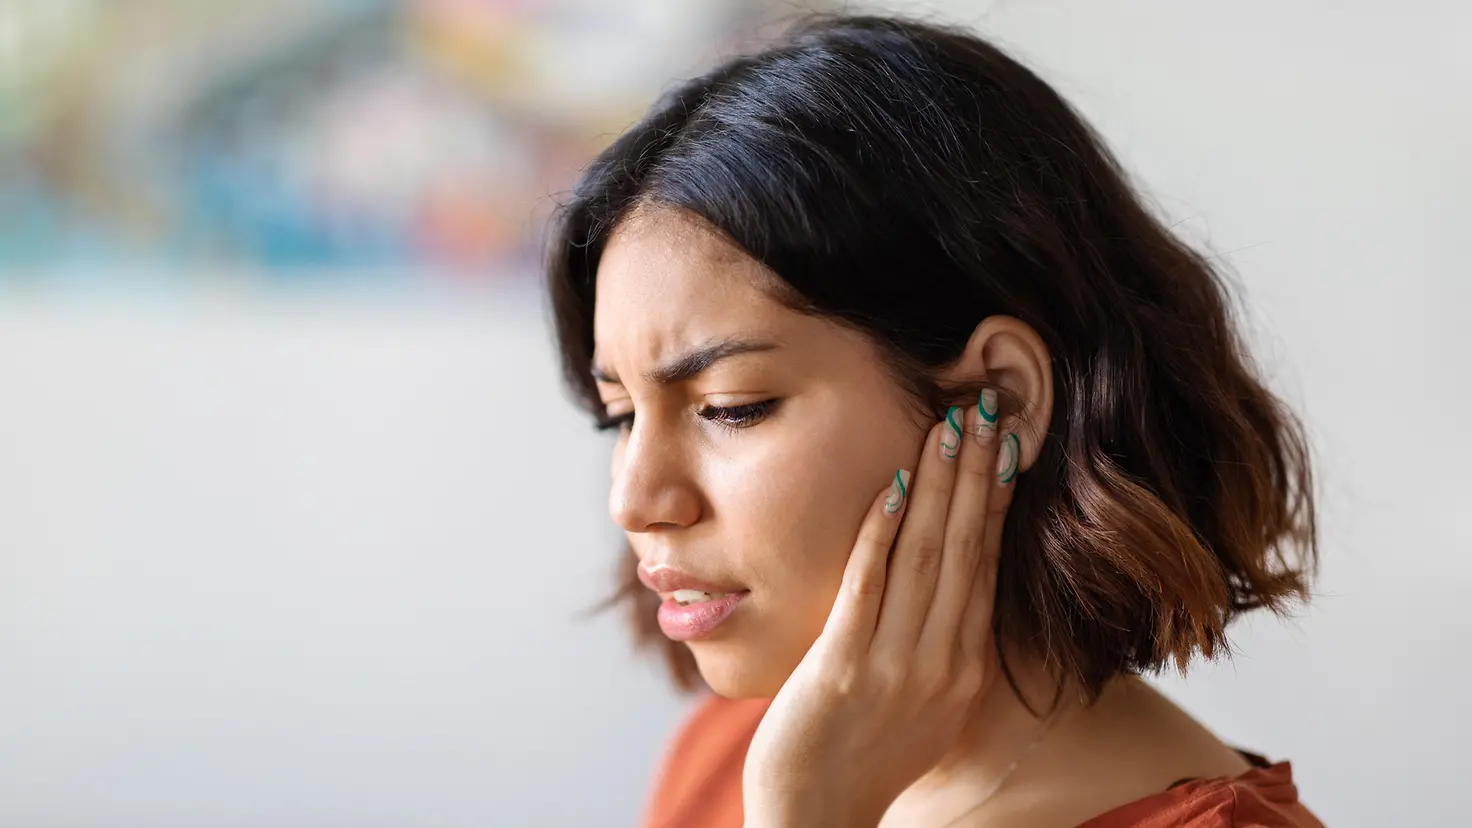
(666, 281)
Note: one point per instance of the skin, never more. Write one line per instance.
(866, 627)
(773, 507)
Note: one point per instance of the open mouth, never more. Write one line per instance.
(686, 597)
(691, 614)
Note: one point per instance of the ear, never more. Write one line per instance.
(1006, 351)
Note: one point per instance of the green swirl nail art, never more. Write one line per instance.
(897, 489)
(950, 440)
(988, 407)
(1008, 458)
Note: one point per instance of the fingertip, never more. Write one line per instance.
(985, 416)
(898, 493)
(1009, 458)
(949, 433)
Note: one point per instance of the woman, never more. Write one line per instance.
(931, 440)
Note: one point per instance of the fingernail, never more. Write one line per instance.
(986, 420)
(897, 490)
(1008, 456)
(987, 405)
(950, 438)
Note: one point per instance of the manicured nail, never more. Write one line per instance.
(950, 437)
(897, 489)
(1008, 456)
(987, 406)
(985, 429)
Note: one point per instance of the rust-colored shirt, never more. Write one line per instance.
(699, 784)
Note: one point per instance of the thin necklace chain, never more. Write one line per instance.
(1047, 726)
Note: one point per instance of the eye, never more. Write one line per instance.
(622, 422)
(738, 416)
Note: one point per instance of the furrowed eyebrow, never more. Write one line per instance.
(692, 364)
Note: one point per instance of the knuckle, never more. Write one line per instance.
(890, 676)
(844, 678)
(924, 557)
(866, 585)
(874, 534)
(968, 544)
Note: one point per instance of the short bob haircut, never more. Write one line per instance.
(877, 164)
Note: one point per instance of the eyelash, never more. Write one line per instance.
(737, 417)
(730, 418)
(607, 423)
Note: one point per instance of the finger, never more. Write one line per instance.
(978, 643)
(850, 624)
(969, 529)
(916, 561)
(975, 634)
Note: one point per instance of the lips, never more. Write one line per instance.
(689, 622)
(692, 608)
(665, 579)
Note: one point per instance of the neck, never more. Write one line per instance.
(1000, 730)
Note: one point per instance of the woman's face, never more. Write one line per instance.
(710, 482)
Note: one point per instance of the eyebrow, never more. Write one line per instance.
(691, 365)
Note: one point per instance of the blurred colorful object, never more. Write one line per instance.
(298, 137)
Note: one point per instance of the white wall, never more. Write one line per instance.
(301, 559)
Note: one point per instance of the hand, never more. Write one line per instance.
(884, 691)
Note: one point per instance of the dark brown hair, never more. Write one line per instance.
(876, 165)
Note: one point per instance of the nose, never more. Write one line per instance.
(652, 486)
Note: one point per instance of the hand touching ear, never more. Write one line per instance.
(884, 691)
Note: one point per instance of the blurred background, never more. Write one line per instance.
(277, 137)
(296, 525)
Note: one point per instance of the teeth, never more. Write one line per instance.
(695, 596)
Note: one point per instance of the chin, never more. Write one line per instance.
(739, 672)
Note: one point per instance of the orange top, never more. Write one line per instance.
(699, 784)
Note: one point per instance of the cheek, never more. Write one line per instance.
(798, 505)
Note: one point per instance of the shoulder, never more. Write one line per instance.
(1263, 797)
